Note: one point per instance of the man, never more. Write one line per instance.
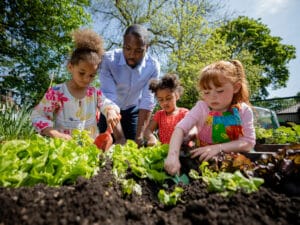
(124, 78)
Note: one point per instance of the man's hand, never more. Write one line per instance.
(140, 141)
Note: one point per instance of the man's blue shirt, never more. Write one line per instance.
(127, 86)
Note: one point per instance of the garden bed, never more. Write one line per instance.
(99, 201)
(269, 147)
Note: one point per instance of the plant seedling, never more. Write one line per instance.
(184, 179)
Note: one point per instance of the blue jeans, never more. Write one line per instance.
(129, 122)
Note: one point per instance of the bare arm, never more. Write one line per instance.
(143, 121)
(119, 135)
(113, 123)
(207, 152)
(148, 134)
(172, 163)
(51, 132)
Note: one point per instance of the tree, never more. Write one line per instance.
(35, 40)
(269, 55)
(180, 32)
(187, 35)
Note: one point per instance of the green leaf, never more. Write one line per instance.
(169, 198)
(47, 160)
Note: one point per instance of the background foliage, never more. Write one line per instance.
(185, 36)
(35, 41)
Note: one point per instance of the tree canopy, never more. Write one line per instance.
(35, 40)
(268, 53)
(185, 36)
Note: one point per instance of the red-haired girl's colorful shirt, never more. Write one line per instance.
(215, 127)
(60, 110)
(166, 123)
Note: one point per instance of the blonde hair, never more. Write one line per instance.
(232, 71)
(88, 46)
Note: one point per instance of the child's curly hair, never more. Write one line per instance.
(88, 46)
(168, 81)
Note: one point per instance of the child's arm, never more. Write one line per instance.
(191, 136)
(51, 132)
(244, 144)
(148, 134)
(42, 116)
(172, 163)
(207, 152)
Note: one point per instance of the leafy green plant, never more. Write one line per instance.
(47, 160)
(130, 186)
(145, 162)
(280, 135)
(148, 162)
(15, 122)
(224, 182)
(170, 198)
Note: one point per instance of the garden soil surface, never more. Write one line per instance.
(99, 200)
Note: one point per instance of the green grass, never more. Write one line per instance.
(15, 122)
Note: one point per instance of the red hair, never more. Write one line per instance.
(231, 71)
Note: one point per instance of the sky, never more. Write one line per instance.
(282, 18)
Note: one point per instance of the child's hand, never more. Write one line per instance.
(64, 136)
(151, 140)
(113, 118)
(172, 164)
(205, 153)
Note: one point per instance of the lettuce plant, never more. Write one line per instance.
(50, 161)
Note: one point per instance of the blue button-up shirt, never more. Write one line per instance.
(127, 86)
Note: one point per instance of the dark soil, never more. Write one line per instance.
(99, 201)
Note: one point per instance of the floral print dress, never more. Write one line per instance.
(60, 110)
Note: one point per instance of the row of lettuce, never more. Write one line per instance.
(29, 159)
(57, 162)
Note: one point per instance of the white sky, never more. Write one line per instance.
(283, 19)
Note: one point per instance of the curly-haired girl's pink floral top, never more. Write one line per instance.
(60, 110)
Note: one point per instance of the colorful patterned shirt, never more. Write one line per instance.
(60, 110)
(216, 128)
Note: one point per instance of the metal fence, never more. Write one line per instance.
(287, 109)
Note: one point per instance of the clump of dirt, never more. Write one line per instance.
(99, 200)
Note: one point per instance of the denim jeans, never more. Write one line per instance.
(129, 119)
